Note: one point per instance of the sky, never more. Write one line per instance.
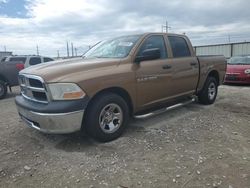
(49, 24)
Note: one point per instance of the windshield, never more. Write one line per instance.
(244, 60)
(114, 48)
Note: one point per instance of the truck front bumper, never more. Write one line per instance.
(61, 122)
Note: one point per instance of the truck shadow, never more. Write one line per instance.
(80, 142)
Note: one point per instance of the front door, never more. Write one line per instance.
(153, 76)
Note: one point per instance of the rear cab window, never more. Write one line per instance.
(154, 41)
(20, 59)
(179, 47)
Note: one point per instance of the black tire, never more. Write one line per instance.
(99, 109)
(3, 89)
(209, 92)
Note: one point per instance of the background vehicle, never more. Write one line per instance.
(29, 60)
(117, 78)
(10, 67)
(238, 70)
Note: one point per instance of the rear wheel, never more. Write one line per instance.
(107, 117)
(209, 91)
(3, 89)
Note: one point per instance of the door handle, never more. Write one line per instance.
(166, 66)
(193, 63)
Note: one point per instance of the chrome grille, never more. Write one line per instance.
(33, 88)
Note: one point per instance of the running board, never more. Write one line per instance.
(162, 110)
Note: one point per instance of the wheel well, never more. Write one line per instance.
(215, 74)
(119, 91)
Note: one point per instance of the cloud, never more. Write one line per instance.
(50, 23)
(4, 1)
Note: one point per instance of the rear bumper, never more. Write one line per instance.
(66, 121)
(237, 79)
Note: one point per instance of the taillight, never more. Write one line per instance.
(19, 66)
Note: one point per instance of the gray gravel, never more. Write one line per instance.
(192, 146)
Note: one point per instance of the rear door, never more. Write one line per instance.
(185, 66)
(153, 76)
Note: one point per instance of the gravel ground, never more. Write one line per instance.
(192, 146)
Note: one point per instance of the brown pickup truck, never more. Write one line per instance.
(116, 79)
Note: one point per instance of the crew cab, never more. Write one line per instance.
(115, 80)
(10, 67)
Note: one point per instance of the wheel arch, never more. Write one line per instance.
(215, 74)
(116, 90)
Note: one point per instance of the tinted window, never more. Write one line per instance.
(155, 41)
(35, 60)
(22, 59)
(179, 46)
(46, 59)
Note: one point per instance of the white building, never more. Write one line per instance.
(228, 50)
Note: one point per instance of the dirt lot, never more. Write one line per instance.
(192, 146)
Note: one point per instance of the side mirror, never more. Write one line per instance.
(149, 54)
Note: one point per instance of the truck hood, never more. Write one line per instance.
(62, 69)
(237, 68)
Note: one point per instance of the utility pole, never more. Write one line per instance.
(229, 38)
(75, 51)
(67, 49)
(72, 49)
(37, 50)
(58, 54)
(165, 27)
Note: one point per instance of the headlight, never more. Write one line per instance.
(65, 91)
(247, 71)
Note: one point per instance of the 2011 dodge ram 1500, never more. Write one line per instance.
(117, 78)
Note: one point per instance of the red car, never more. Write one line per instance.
(238, 70)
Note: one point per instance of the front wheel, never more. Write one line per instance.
(107, 117)
(209, 91)
(3, 89)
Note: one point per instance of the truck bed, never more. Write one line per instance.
(208, 63)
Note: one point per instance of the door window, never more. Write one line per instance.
(47, 59)
(179, 46)
(155, 41)
(35, 60)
